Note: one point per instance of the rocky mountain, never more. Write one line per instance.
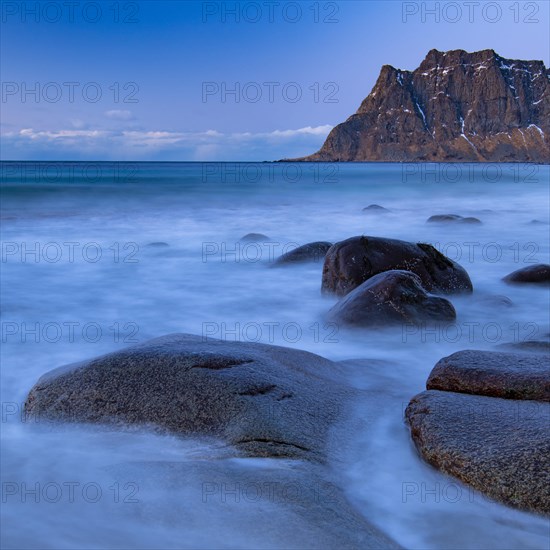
(456, 106)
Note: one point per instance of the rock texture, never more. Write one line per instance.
(456, 106)
(499, 446)
(391, 297)
(312, 252)
(534, 274)
(264, 400)
(351, 262)
(495, 374)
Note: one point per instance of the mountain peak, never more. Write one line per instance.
(456, 106)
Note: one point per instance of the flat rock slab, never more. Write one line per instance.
(499, 446)
(495, 374)
(264, 400)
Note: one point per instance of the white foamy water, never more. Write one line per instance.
(79, 279)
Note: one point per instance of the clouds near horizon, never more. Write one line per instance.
(191, 80)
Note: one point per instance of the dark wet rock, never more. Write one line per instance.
(254, 238)
(495, 374)
(376, 208)
(534, 274)
(158, 244)
(264, 400)
(500, 447)
(537, 222)
(452, 218)
(312, 252)
(442, 218)
(351, 262)
(391, 297)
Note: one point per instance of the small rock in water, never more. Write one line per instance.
(452, 218)
(376, 208)
(391, 297)
(254, 238)
(534, 274)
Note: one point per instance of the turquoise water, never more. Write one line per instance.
(81, 276)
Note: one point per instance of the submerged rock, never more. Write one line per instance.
(495, 374)
(534, 274)
(351, 262)
(501, 447)
(494, 300)
(159, 244)
(391, 297)
(452, 218)
(264, 400)
(376, 208)
(312, 252)
(254, 238)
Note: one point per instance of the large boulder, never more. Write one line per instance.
(351, 262)
(501, 447)
(391, 297)
(495, 374)
(264, 400)
(312, 252)
(534, 274)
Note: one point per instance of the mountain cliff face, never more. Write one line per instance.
(457, 106)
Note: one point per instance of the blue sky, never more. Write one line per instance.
(183, 80)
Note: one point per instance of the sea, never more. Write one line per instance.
(97, 256)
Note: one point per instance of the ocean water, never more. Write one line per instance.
(83, 274)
